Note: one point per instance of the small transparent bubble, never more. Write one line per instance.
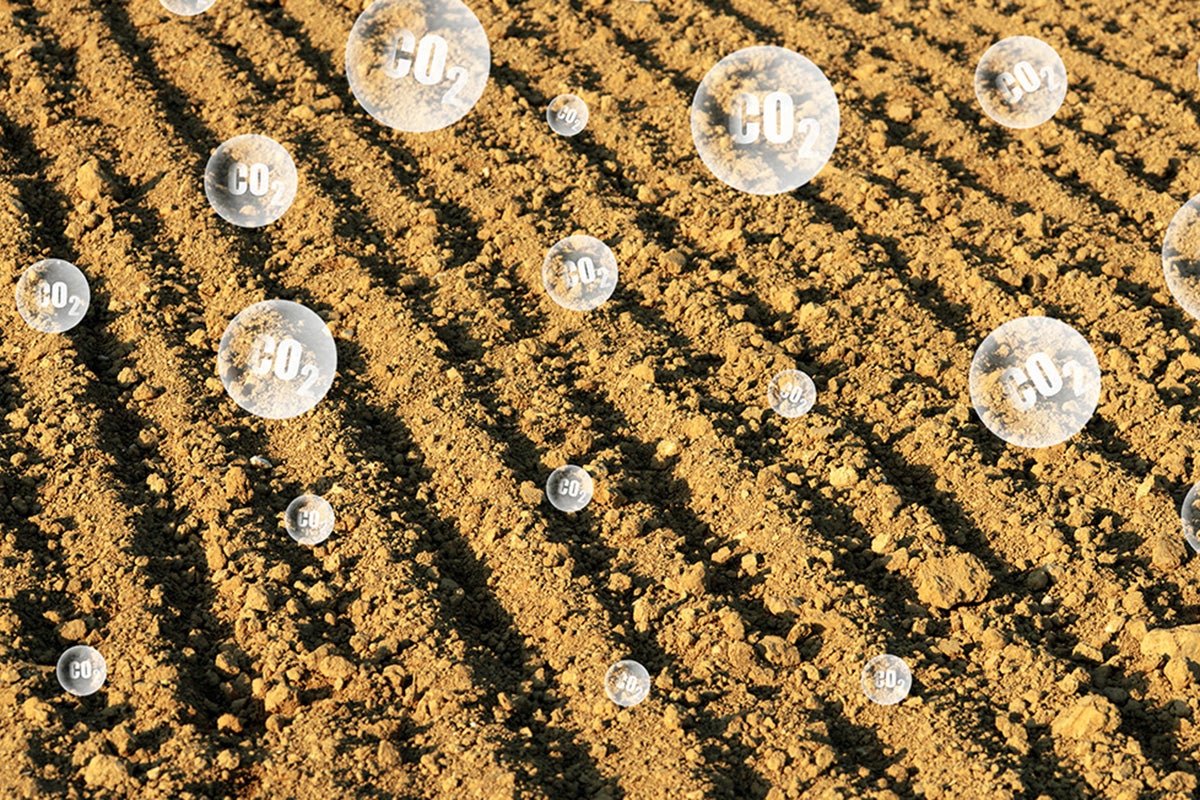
(886, 679)
(1181, 256)
(765, 120)
(1035, 382)
(569, 488)
(250, 180)
(792, 393)
(81, 670)
(580, 273)
(309, 519)
(417, 65)
(277, 359)
(567, 115)
(1190, 514)
(1020, 82)
(627, 683)
(53, 296)
(188, 8)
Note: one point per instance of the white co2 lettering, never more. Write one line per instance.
(56, 295)
(887, 679)
(254, 178)
(580, 271)
(778, 124)
(569, 488)
(282, 358)
(81, 669)
(1046, 378)
(307, 519)
(426, 62)
(1023, 80)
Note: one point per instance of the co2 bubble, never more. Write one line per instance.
(1190, 514)
(81, 670)
(567, 115)
(309, 519)
(53, 296)
(627, 683)
(1181, 256)
(765, 120)
(580, 273)
(886, 680)
(791, 393)
(250, 180)
(188, 8)
(569, 488)
(1035, 382)
(277, 359)
(1020, 82)
(417, 65)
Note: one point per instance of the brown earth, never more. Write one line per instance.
(450, 639)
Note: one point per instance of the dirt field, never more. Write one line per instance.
(450, 638)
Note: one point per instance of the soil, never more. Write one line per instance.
(450, 638)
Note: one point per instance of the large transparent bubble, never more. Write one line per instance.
(765, 120)
(1035, 382)
(417, 65)
(627, 683)
(580, 273)
(250, 180)
(886, 679)
(1020, 82)
(791, 393)
(53, 296)
(277, 359)
(187, 8)
(81, 670)
(1190, 515)
(1181, 256)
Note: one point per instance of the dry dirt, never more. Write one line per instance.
(450, 638)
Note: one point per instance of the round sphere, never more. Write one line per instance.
(309, 519)
(579, 273)
(1035, 382)
(81, 670)
(567, 115)
(1181, 256)
(1190, 514)
(627, 683)
(886, 679)
(569, 488)
(417, 65)
(765, 120)
(1020, 82)
(791, 393)
(53, 295)
(277, 359)
(250, 180)
(188, 8)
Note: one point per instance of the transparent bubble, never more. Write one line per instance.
(567, 115)
(580, 273)
(569, 488)
(1190, 513)
(417, 65)
(886, 679)
(277, 359)
(81, 670)
(627, 683)
(1181, 256)
(792, 393)
(309, 519)
(1035, 382)
(1020, 82)
(765, 120)
(188, 8)
(250, 180)
(53, 295)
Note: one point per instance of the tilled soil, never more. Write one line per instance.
(450, 638)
